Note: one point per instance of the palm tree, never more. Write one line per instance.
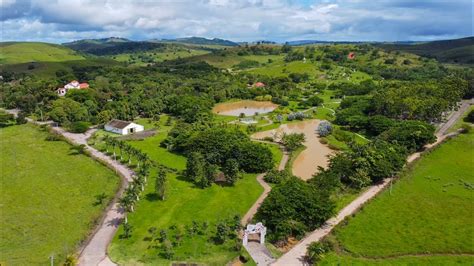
(121, 145)
(138, 155)
(139, 181)
(107, 143)
(126, 202)
(113, 141)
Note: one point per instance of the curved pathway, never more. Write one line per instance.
(257, 251)
(296, 255)
(95, 250)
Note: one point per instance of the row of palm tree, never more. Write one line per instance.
(132, 193)
(126, 150)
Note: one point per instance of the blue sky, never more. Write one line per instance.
(238, 20)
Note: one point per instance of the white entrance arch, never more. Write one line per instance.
(255, 229)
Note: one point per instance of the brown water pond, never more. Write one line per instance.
(316, 154)
(247, 107)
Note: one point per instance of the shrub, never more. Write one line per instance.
(470, 117)
(276, 176)
(293, 141)
(324, 128)
(465, 128)
(79, 127)
(316, 251)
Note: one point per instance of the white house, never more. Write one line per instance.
(123, 127)
(73, 85)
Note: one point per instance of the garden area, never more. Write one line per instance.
(192, 224)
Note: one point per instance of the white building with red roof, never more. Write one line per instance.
(73, 85)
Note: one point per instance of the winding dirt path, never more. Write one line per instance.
(295, 256)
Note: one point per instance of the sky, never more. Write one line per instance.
(60, 21)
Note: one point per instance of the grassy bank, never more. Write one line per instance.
(428, 211)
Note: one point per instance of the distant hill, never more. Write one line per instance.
(25, 52)
(98, 41)
(112, 46)
(460, 51)
(202, 41)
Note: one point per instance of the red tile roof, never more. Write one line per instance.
(259, 84)
(84, 85)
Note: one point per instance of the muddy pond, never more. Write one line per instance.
(247, 107)
(316, 154)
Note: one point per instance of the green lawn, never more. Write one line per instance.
(48, 196)
(429, 210)
(184, 204)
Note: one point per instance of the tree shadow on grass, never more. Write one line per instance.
(152, 197)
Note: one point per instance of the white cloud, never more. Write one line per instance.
(65, 20)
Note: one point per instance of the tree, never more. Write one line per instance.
(66, 110)
(168, 251)
(293, 141)
(254, 157)
(222, 231)
(231, 171)
(195, 167)
(411, 134)
(293, 207)
(160, 183)
(127, 230)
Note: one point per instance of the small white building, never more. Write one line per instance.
(123, 127)
(73, 85)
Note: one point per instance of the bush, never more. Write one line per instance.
(316, 251)
(465, 128)
(324, 128)
(79, 127)
(470, 117)
(276, 176)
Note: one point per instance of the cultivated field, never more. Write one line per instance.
(48, 203)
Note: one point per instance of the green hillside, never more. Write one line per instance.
(449, 51)
(24, 52)
(428, 211)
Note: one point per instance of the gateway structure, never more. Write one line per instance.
(123, 127)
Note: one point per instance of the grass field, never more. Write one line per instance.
(158, 56)
(49, 69)
(25, 52)
(184, 204)
(428, 211)
(48, 203)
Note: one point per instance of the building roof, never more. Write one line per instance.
(118, 123)
(84, 85)
(259, 84)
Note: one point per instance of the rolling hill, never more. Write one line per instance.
(460, 51)
(117, 46)
(25, 52)
(202, 41)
